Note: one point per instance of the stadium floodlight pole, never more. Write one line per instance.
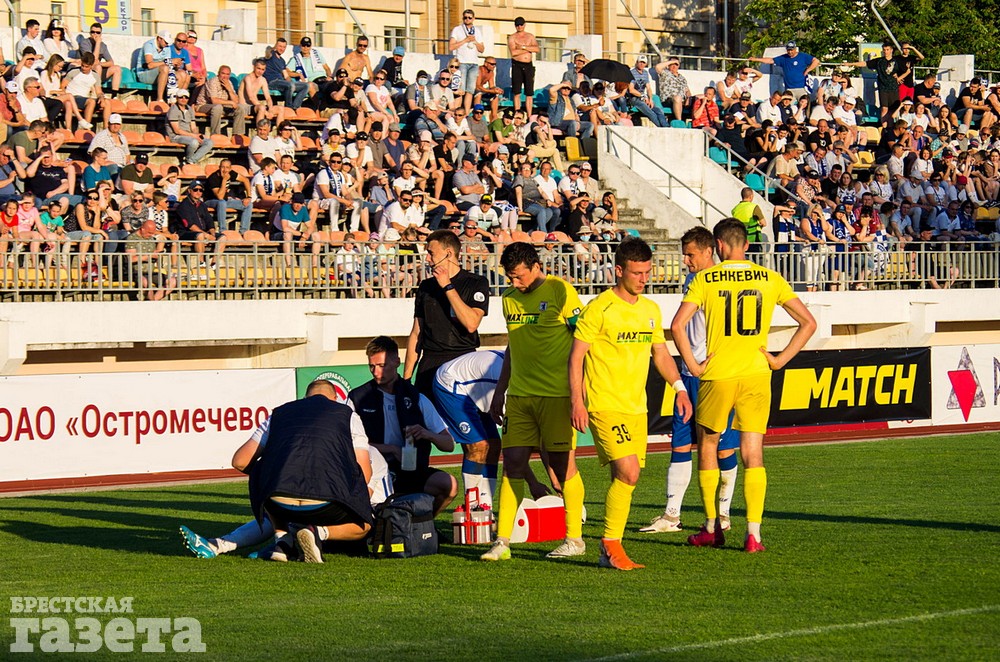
(642, 29)
(882, 3)
(406, 26)
(357, 22)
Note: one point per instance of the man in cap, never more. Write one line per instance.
(795, 66)
(113, 141)
(182, 129)
(195, 222)
(469, 186)
(393, 69)
(521, 45)
(155, 64)
(742, 111)
(138, 178)
(640, 93)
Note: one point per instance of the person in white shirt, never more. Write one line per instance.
(33, 37)
(823, 112)
(770, 109)
(845, 115)
(84, 84)
(467, 44)
(288, 178)
(458, 123)
(263, 146)
(402, 214)
(30, 100)
(333, 190)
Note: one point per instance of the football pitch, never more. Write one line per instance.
(875, 550)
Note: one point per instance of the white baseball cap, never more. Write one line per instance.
(164, 35)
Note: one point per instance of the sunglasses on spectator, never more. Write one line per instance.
(89, 197)
(95, 32)
(362, 45)
(379, 77)
(453, 66)
(471, 227)
(137, 198)
(406, 199)
(181, 41)
(335, 162)
(445, 79)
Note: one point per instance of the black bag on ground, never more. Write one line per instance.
(404, 527)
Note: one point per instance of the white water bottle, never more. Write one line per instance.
(409, 459)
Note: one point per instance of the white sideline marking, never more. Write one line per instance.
(822, 629)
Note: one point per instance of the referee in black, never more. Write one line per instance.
(447, 312)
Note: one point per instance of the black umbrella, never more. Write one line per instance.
(608, 70)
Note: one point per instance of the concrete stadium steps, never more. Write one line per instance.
(631, 218)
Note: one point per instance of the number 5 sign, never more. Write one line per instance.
(113, 15)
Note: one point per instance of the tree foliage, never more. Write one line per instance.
(832, 29)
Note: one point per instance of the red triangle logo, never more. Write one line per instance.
(963, 384)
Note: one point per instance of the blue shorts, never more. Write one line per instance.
(466, 423)
(684, 433)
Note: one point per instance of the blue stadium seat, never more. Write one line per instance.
(721, 157)
(129, 81)
(756, 181)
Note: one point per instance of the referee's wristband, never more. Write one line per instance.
(448, 288)
(679, 386)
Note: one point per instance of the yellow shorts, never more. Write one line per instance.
(618, 435)
(539, 422)
(749, 397)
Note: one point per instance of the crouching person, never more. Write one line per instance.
(392, 411)
(310, 479)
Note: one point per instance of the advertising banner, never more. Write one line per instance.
(113, 15)
(852, 386)
(59, 426)
(966, 384)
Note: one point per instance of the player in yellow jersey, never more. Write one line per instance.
(608, 366)
(738, 298)
(540, 312)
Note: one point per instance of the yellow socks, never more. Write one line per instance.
(573, 498)
(511, 495)
(708, 480)
(617, 505)
(754, 489)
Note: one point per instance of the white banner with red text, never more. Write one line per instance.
(71, 426)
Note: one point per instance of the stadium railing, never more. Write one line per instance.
(261, 271)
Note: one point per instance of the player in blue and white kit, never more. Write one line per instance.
(697, 246)
(463, 389)
(252, 534)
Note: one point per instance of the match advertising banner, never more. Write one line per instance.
(966, 384)
(852, 386)
(113, 15)
(63, 426)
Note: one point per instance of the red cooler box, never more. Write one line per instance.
(540, 521)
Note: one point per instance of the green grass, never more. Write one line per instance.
(871, 534)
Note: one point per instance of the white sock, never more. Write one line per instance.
(753, 529)
(727, 485)
(678, 479)
(222, 546)
(247, 535)
(468, 482)
(490, 490)
(710, 525)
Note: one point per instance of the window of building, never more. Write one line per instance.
(147, 22)
(319, 29)
(190, 19)
(395, 36)
(58, 10)
(551, 48)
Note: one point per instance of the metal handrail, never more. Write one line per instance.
(671, 178)
(263, 271)
(712, 139)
